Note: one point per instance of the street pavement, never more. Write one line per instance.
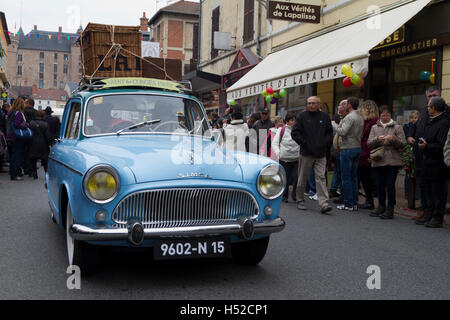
(316, 257)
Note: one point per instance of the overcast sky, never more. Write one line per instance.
(48, 15)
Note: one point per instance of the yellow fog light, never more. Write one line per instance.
(101, 184)
(271, 182)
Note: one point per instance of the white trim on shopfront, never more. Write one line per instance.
(321, 58)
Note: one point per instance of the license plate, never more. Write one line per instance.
(168, 249)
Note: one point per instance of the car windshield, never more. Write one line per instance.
(111, 114)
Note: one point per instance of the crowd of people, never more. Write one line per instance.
(26, 135)
(363, 144)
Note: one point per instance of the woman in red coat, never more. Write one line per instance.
(369, 112)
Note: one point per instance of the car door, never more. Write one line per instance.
(61, 159)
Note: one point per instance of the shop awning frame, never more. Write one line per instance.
(319, 57)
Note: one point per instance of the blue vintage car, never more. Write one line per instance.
(135, 165)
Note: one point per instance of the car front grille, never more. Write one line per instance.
(183, 207)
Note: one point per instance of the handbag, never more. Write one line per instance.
(337, 141)
(23, 134)
(377, 154)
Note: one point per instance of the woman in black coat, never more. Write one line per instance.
(40, 147)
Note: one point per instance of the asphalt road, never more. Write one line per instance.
(316, 257)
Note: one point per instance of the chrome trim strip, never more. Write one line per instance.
(66, 166)
(92, 233)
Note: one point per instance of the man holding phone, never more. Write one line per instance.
(416, 131)
(434, 171)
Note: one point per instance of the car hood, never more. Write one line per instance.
(163, 157)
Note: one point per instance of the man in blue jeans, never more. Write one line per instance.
(350, 130)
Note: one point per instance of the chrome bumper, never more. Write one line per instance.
(86, 233)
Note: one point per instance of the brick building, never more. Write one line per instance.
(45, 59)
(175, 27)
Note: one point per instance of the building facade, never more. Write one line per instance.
(45, 59)
(175, 27)
(394, 67)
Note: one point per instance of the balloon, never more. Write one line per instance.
(425, 75)
(283, 93)
(360, 84)
(274, 100)
(433, 78)
(276, 95)
(347, 70)
(233, 103)
(269, 98)
(269, 90)
(264, 93)
(347, 82)
(356, 79)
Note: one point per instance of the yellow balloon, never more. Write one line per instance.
(347, 70)
(433, 78)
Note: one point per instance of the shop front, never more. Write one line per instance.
(402, 72)
(313, 65)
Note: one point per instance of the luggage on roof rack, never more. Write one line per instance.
(147, 83)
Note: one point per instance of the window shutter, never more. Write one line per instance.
(215, 27)
(249, 12)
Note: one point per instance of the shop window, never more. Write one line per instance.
(342, 93)
(296, 100)
(409, 68)
(408, 90)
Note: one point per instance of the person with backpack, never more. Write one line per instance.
(40, 145)
(16, 120)
(287, 151)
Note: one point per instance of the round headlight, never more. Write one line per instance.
(271, 182)
(101, 184)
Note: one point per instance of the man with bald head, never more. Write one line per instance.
(314, 133)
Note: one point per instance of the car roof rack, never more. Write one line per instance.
(90, 84)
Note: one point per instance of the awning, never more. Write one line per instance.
(321, 58)
(203, 81)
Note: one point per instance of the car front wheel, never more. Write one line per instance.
(80, 253)
(250, 252)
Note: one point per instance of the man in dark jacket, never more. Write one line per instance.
(431, 150)
(40, 144)
(416, 131)
(53, 123)
(314, 133)
(30, 111)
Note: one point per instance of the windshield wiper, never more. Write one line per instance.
(137, 126)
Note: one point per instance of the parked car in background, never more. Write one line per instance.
(136, 166)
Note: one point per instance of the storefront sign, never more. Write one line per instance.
(294, 12)
(409, 48)
(396, 38)
(300, 79)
